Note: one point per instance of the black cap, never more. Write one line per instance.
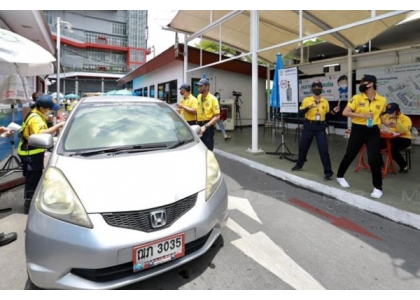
(368, 78)
(203, 81)
(317, 83)
(186, 87)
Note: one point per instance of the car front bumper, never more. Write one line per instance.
(61, 255)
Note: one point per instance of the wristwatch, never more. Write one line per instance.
(206, 125)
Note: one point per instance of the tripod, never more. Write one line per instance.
(12, 160)
(238, 119)
(282, 145)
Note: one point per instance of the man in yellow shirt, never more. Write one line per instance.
(188, 106)
(208, 112)
(365, 110)
(315, 108)
(396, 121)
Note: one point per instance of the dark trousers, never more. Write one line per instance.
(208, 137)
(371, 136)
(309, 132)
(397, 144)
(32, 167)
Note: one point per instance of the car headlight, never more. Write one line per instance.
(56, 198)
(213, 174)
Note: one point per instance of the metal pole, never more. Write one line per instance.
(254, 30)
(58, 65)
(58, 56)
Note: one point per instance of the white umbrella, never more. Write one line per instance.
(14, 90)
(19, 55)
(22, 57)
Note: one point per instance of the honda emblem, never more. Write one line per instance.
(158, 218)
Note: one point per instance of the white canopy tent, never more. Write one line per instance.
(263, 34)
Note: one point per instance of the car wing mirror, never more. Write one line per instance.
(41, 140)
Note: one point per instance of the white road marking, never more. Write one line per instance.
(264, 251)
(237, 228)
(243, 206)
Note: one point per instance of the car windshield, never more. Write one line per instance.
(105, 125)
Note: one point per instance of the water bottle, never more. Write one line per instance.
(369, 122)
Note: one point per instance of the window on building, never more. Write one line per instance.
(145, 92)
(49, 17)
(152, 91)
(167, 91)
(119, 29)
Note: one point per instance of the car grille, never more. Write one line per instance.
(140, 220)
(126, 269)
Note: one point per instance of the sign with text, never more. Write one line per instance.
(400, 84)
(334, 88)
(288, 89)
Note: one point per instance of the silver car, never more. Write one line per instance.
(129, 192)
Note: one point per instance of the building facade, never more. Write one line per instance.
(101, 46)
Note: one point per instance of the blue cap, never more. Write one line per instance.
(203, 81)
(47, 102)
(391, 108)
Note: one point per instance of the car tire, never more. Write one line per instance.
(30, 285)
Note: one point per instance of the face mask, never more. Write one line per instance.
(47, 112)
(203, 89)
(317, 92)
(218, 97)
(363, 88)
(343, 86)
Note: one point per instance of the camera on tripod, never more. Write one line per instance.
(236, 94)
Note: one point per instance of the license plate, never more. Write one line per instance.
(158, 252)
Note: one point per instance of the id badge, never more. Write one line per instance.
(318, 117)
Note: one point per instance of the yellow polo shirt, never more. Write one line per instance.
(323, 107)
(190, 102)
(359, 104)
(403, 125)
(207, 107)
(36, 123)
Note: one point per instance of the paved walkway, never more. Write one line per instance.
(401, 199)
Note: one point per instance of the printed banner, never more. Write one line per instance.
(400, 84)
(288, 85)
(334, 88)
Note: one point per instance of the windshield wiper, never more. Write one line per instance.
(119, 149)
(179, 143)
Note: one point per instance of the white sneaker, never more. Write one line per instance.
(343, 182)
(376, 193)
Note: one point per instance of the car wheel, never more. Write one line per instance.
(30, 285)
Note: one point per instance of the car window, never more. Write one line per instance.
(99, 125)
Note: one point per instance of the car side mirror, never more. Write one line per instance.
(196, 129)
(41, 140)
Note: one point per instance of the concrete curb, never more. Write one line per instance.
(352, 198)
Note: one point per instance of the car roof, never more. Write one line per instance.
(93, 99)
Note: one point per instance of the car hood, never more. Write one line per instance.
(136, 181)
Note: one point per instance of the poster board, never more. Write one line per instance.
(334, 88)
(288, 89)
(399, 83)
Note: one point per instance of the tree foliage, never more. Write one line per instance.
(213, 47)
(209, 46)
